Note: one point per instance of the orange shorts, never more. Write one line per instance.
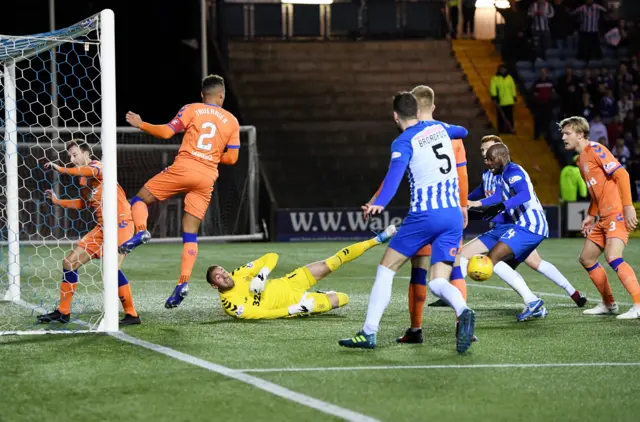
(92, 241)
(609, 227)
(426, 250)
(176, 179)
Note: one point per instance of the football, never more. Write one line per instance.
(480, 267)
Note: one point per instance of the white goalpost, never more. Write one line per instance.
(82, 59)
(59, 86)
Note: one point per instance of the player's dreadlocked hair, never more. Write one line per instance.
(211, 82)
(405, 105)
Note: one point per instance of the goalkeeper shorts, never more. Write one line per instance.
(177, 179)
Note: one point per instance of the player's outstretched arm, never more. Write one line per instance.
(77, 203)
(477, 194)
(265, 263)
(159, 131)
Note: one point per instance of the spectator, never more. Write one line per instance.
(570, 90)
(630, 125)
(516, 44)
(562, 25)
(540, 12)
(625, 105)
(503, 92)
(621, 152)
(454, 15)
(634, 173)
(543, 92)
(605, 78)
(468, 18)
(590, 83)
(603, 141)
(572, 184)
(588, 109)
(608, 107)
(589, 41)
(614, 130)
(624, 80)
(598, 130)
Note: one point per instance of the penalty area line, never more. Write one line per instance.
(478, 366)
(267, 386)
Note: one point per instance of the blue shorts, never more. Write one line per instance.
(490, 238)
(442, 228)
(521, 241)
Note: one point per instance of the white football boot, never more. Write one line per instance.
(602, 309)
(633, 313)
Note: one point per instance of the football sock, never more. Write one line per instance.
(463, 266)
(67, 289)
(379, 299)
(417, 296)
(551, 272)
(628, 278)
(189, 255)
(140, 213)
(598, 275)
(124, 293)
(458, 281)
(343, 299)
(442, 288)
(349, 253)
(515, 280)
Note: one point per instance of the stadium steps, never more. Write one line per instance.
(323, 111)
(480, 60)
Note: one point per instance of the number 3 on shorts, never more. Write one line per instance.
(203, 140)
(612, 226)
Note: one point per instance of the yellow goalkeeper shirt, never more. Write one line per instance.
(272, 303)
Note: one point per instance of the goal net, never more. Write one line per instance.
(49, 84)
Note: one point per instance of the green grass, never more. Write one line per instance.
(95, 377)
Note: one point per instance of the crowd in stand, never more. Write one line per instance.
(578, 58)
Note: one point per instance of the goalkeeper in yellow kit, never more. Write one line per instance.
(246, 292)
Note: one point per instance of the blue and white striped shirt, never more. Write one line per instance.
(590, 15)
(515, 190)
(424, 151)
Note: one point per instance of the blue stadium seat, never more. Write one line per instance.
(576, 64)
(528, 85)
(553, 53)
(558, 73)
(578, 73)
(595, 64)
(527, 75)
(524, 65)
(557, 63)
(539, 64)
(569, 54)
(608, 52)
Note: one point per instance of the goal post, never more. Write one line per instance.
(82, 59)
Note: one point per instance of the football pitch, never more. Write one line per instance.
(194, 363)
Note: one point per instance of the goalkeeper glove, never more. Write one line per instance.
(305, 306)
(258, 283)
(489, 213)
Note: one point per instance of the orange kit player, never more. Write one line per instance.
(420, 262)
(211, 136)
(90, 246)
(610, 192)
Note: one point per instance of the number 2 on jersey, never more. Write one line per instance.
(203, 141)
(442, 157)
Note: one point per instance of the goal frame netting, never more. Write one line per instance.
(16, 49)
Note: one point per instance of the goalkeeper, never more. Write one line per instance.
(246, 293)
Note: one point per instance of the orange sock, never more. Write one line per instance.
(458, 281)
(67, 289)
(417, 296)
(140, 214)
(601, 281)
(628, 278)
(189, 255)
(124, 293)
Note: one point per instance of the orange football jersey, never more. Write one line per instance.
(597, 164)
(208, 130)
(92, 193)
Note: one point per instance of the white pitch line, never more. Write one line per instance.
(267, 386)
(479, 366)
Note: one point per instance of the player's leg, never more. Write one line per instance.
(80, 255)
(592, 249)
(321, 269)
(131, 316)
(478, 246)
(160, 187)
(190, 226)
(547, 269)
(613, 252)
(326, 301)
(445, 250)
(417, 296)
(514, 246)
